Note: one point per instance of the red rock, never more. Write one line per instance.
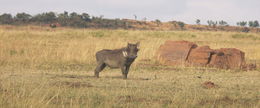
(228, 58)
(200, 56)
(174, 52)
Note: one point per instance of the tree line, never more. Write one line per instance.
(254, 23)
(73, 19)
(249, 23)
(84, 20)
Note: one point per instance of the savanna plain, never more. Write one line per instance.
(42, 67)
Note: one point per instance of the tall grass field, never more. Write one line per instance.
(42, 67)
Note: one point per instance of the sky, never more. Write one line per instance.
(187, 11)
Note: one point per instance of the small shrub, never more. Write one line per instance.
(13, 52)
(193, 36)
(241, 36)
(98, 34)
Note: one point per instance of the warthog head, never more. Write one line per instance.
(131, 50)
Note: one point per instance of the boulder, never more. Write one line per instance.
(219, 60)
(228, 58)
(174, 52)
(200, 56)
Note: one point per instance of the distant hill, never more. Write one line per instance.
(84, 20)
(175, 25)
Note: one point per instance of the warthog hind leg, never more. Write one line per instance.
(99, 68)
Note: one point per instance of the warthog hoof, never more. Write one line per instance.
(96, 75)
(124, 77)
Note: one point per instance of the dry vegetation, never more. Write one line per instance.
(43, 67)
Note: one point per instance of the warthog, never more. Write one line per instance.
(118, 58)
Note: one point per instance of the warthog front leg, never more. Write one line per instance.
(125, 70)
(99, 68)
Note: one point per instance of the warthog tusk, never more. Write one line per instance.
(124, 53)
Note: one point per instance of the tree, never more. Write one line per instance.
(253, 23)
(22, 17)
(256, 24)
(198, 21)
(48, 17)
(77, 20)
(85, 17)
(223, 23)
(158, 22)
(135, 17)
(242, 23)
(73, 15)
(215, 24)
(6, 19)
(63, 18)
(209, 22)
(212, 23)
(181, 24)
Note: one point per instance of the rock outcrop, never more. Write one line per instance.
(187, 53)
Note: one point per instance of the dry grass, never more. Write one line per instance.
(42, 67)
